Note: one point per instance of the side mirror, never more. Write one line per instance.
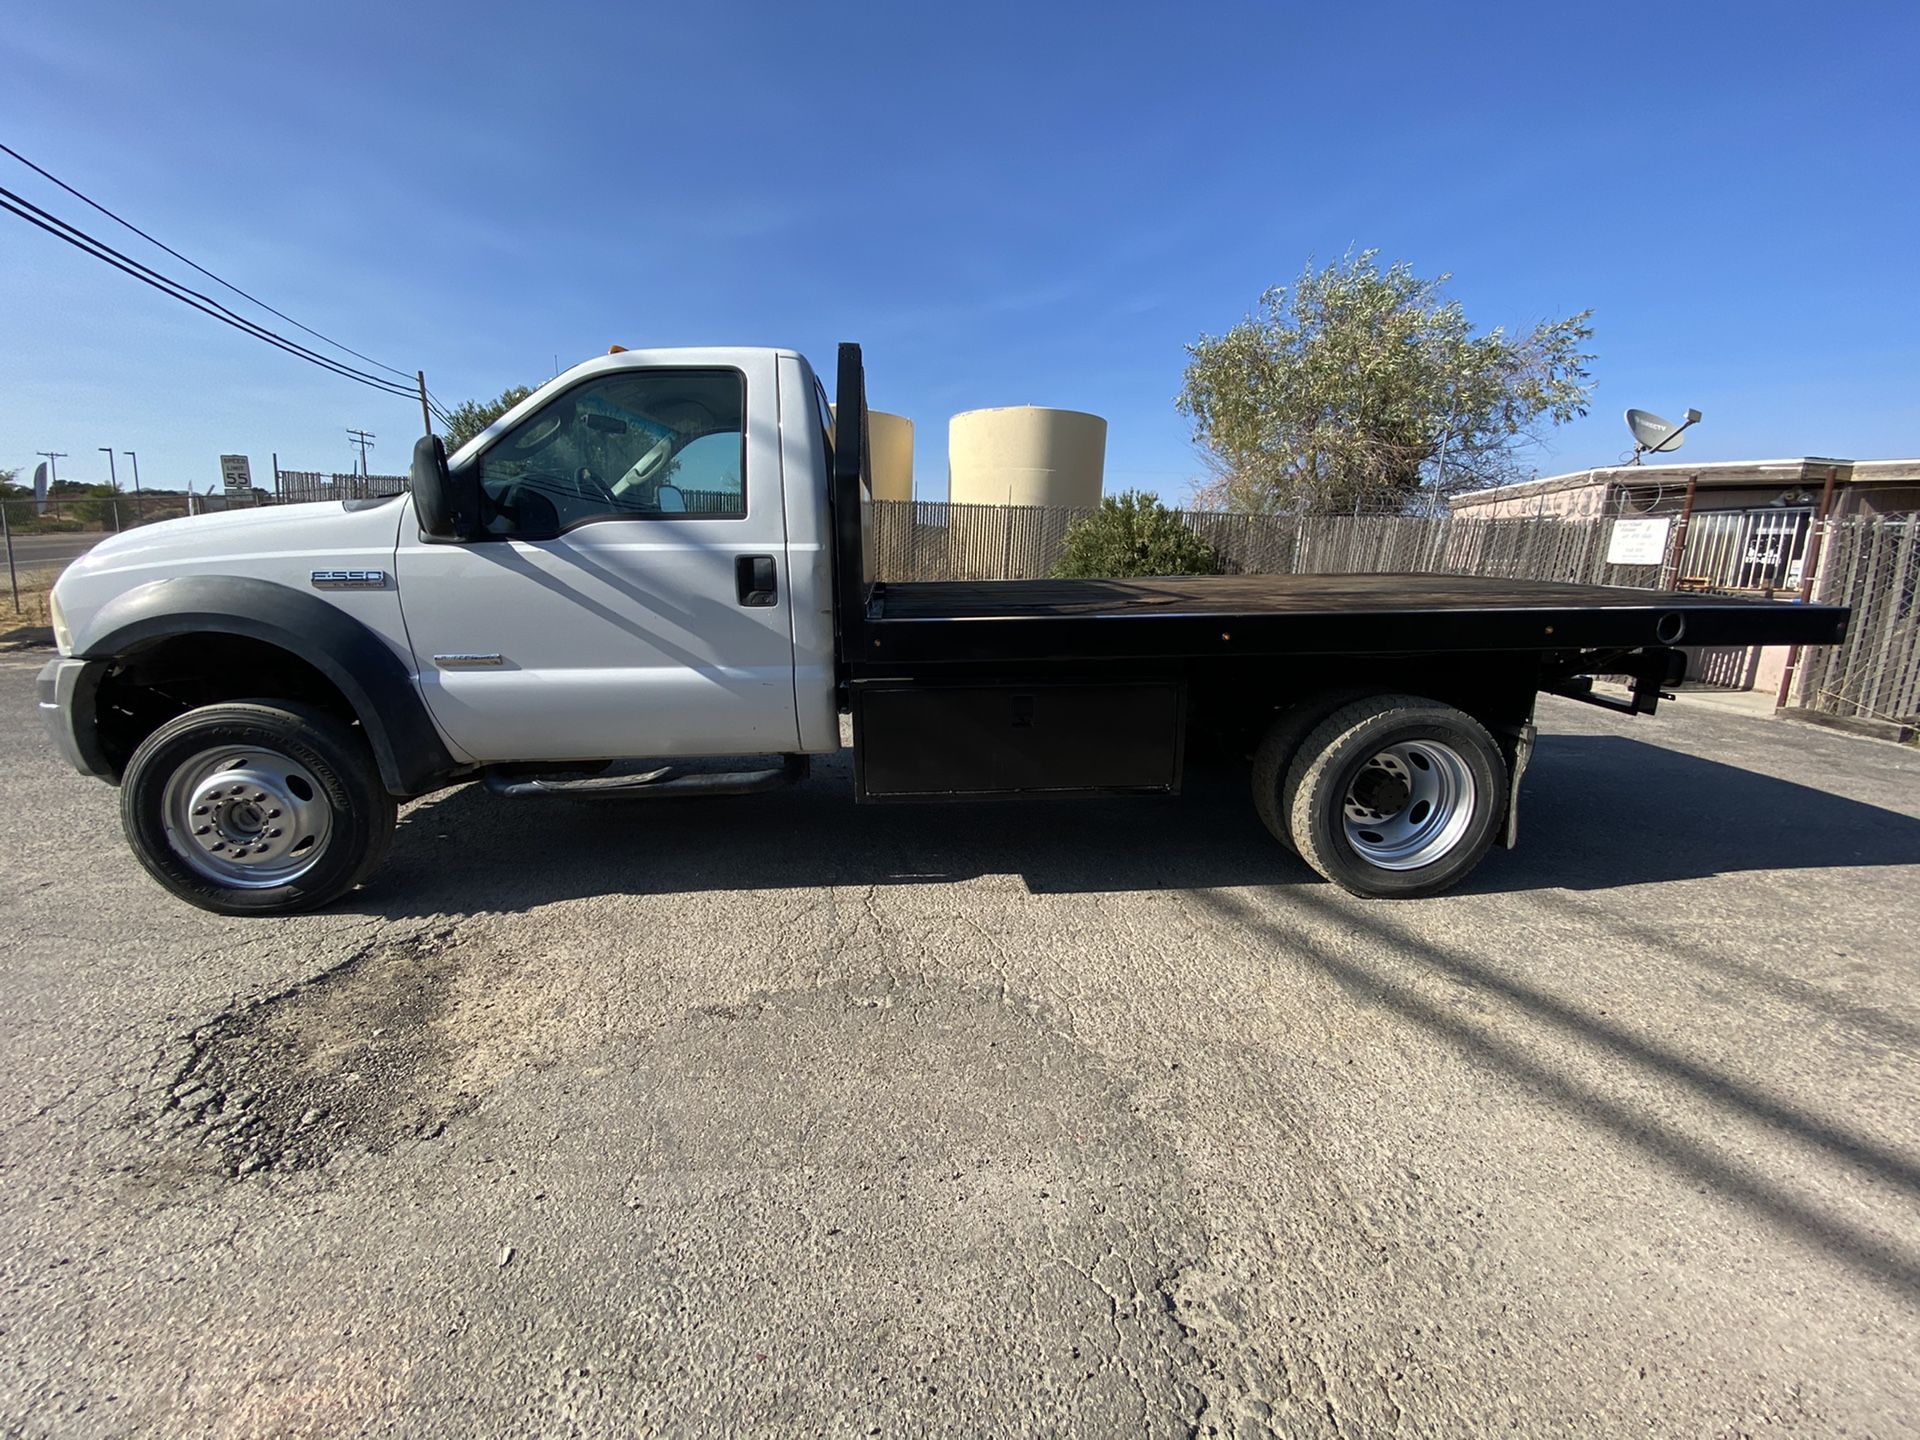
(448, 505)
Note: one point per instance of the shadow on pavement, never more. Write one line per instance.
(1405, 959)
(1597, 812)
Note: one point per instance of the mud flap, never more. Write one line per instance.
(1522, 753)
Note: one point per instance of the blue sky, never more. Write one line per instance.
(1006, 205)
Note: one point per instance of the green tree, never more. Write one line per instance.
(470, 417)
(96, 505)
(1363, 388)
(7, 485)
(1131, 534)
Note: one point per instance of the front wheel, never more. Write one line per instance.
(256, 808)
(1394, 795)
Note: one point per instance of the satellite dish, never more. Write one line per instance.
(1656, 436)
(1650, 432)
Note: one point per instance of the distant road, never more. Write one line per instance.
(33, 552)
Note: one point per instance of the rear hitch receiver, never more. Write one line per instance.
(1648, 672)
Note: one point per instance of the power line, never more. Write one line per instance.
(100, 250)
(89, 200)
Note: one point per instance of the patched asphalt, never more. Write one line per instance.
(778, 1115)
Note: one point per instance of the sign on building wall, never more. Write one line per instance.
(1638, 542)
(236, 473)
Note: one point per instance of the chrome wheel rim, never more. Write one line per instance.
(1409, 804)
(246, 817)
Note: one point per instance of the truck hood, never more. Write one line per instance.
(283, 544)
(320, 525)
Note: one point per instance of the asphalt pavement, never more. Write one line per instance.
(34, 552)
(777, 1115)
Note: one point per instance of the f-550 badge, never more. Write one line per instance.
(349, 579)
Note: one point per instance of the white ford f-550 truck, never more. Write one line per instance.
(665, 556)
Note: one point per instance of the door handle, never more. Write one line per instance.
(753, 580)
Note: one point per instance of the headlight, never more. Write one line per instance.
(62, 636)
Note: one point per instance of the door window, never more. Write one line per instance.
(632, 445)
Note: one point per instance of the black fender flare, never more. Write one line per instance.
(412, 757)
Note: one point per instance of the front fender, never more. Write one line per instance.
(364, 668)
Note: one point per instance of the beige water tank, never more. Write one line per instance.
(1026, 455)
(890, 438)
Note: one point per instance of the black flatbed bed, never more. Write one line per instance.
(1216, 615)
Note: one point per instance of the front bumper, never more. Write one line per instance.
(66, 693)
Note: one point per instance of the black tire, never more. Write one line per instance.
(332, 765)
(1274, 755)
(1367, 736)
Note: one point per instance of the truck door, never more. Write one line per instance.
(629, 597)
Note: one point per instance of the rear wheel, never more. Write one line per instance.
(1394, 795)
(256, 808)
(1274, 754)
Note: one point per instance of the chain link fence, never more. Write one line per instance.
(69, 514)
(1873, 566)
(40, 537)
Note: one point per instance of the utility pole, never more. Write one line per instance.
(136, 469)
(364, 439)
(113, 476)
(426, 415)
(13, 575)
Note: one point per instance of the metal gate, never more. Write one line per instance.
(1757, 550)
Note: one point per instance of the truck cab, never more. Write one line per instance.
(649, 568)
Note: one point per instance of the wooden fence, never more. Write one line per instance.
(932, 540)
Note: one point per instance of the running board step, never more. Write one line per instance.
(663, 783)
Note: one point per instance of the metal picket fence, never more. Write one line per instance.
(293, 487)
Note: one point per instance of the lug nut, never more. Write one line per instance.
(273, 814)
(259, 794)
(273, 834)
(202, 829)
(218, 845)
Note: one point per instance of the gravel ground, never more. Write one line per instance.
(777, 1115)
